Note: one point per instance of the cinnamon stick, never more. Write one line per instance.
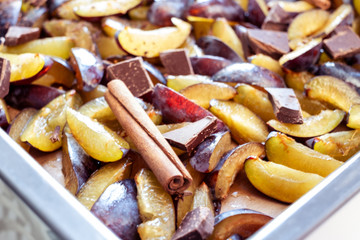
(152, 146)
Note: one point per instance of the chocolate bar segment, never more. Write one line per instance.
(272, 43)
(176, 62)
(285, 104)
(133, 74)
(197, 224)
(188, 137)
(278, 19)
(18, 35)
(344, 43)
(4, 77)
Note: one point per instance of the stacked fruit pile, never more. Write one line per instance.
(259, 99)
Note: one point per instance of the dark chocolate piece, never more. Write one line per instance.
(19, 35)
(255, 15)
(272, 43)
(278, 19)
(285, 104)
(176, 62)
(214, 46)
(188, 137)
(197, 224)
(5, 71)
(133, 74)
(343, 43)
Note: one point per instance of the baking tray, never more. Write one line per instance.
(65, 218)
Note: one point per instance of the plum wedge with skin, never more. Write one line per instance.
(97, 140)
(250, 74)
(180, 82)
(339, 145)
(223, 176)
(208, 65)
(284, 150)
(268, 176)
(313, 126)
(209, 152)
(202, 93)
(117, 208)
(245, 126)
(101, 179)
(238, 221)
(48, 138)
(150, 43)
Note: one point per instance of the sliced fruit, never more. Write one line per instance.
(297, 80)
(243, 222)
(117, 208)
(101, 179)
(313, 126)
(77, 165)
(108, 47)
(303, 57)
(209, 152)
(307, 23)
(182, 81)
(155, 206)
(250, 74)
(202, 198)
(208, 65)
(150, 43)
(267, 62)
(224, 31)
(55, 46)
(339, 145)
(19, 124)
(44, 131)
(111, 25)
(184, 204)
(286, 151)
(97, 140)
(99, 91)
(202, 93)
(278, 181)
(25, 66)
(98, 109)
(353, 120)
(245, 126)
(231, 164)
(98, 9)
(311, 106)
(332, 90)
(255, 100)
(298, 6)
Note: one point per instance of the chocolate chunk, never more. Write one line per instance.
(197, 224)
(4, 77)
(133, 74)
(176, 62)
(188, 137)
(285, 104)
(19, 35)
(343, 43)
(278, 19)
(272, 43)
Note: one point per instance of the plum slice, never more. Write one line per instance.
(150, 43)
(4, 114)
(161, 12)
(97, 140)
(77, 165)
(245, 126)
(48, 137)
(176, 108)
(89, 69)
(34, 96)
(313, 126)
(209, 65)
(180, 82)
(101, 179)
(94, 11)
(215, 47)
(243, 222)
(202, 93)
(286, 151)
(268, 176)
(9, 11)
(250, 74)
(117, 208)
